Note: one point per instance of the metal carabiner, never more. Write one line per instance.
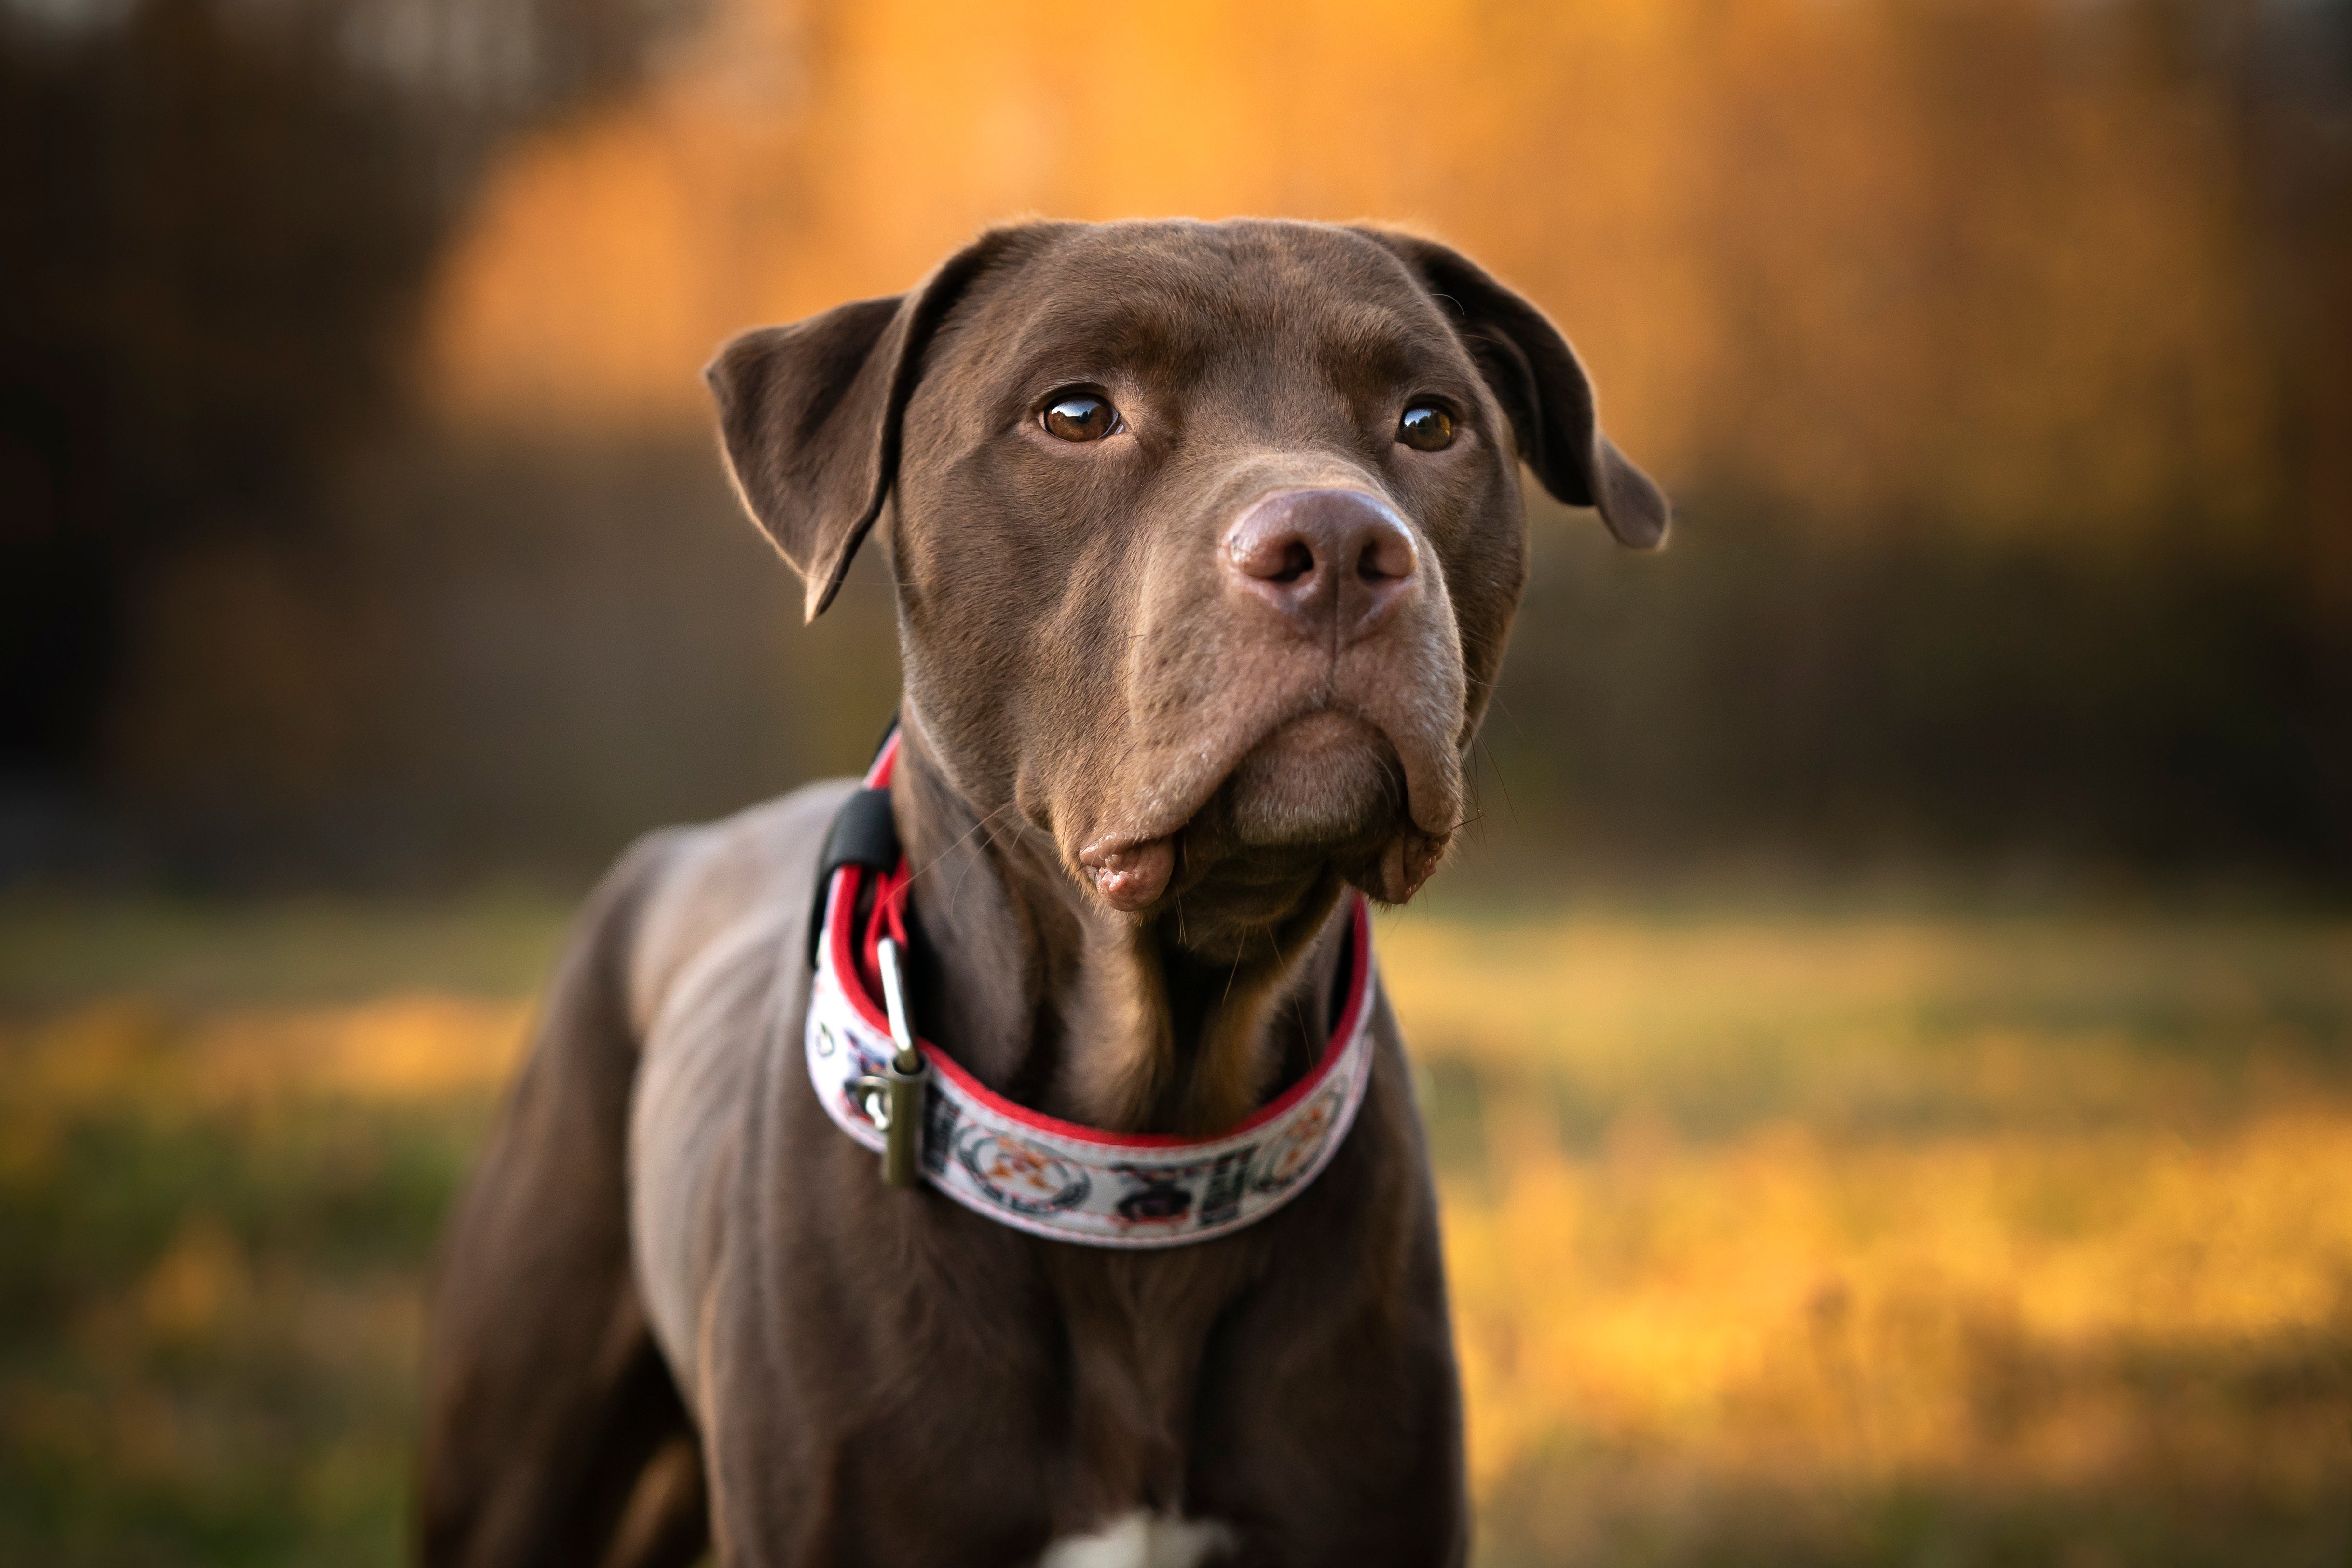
(894, 1097)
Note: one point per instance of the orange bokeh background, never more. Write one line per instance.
(1986, 267)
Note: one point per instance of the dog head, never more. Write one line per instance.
(1207, 535)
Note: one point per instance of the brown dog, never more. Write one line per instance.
(1207, 537)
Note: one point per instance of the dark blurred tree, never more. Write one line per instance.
(215, 225)
(2298, 110)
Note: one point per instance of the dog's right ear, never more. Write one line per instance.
(808, 414)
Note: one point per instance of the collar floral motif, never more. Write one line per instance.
(1056, 1178)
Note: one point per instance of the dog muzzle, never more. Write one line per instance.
(933, 1121)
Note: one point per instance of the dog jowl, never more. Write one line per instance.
(1207, 539)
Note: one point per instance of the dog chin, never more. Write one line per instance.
(1324, 778)
(1326, 791)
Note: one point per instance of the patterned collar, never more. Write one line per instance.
(1034, 1172)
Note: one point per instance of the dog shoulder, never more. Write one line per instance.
(708, 886)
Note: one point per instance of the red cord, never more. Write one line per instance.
(888, 916)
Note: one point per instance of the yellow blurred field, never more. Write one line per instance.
(1800, 1239)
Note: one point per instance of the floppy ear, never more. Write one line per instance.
(1542, 386)
(808, 414)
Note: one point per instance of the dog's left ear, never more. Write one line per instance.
(808, 414)
(1543, 389)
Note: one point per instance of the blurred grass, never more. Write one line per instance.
(1813, 1238)
(57, 953)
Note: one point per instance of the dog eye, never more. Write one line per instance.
(1081, 416)
(1426, 428)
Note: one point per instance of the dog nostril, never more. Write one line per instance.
(1388, 555)
(1283, 558)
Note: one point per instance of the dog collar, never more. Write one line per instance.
(1034, 1171)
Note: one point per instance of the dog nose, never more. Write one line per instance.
(1325, 558)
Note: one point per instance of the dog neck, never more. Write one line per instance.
(1180, 1022)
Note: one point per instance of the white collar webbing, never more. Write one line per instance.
(1057, 1179)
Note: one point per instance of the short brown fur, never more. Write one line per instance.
(677, 1305)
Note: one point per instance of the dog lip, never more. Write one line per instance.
(1104, 850)
(1165, 813)
(1130, 873)
(1133, 864)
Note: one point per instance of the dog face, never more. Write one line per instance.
(1208, 536)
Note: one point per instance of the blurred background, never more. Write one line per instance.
(1889, 1041)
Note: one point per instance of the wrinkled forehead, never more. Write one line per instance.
(1177, 303)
